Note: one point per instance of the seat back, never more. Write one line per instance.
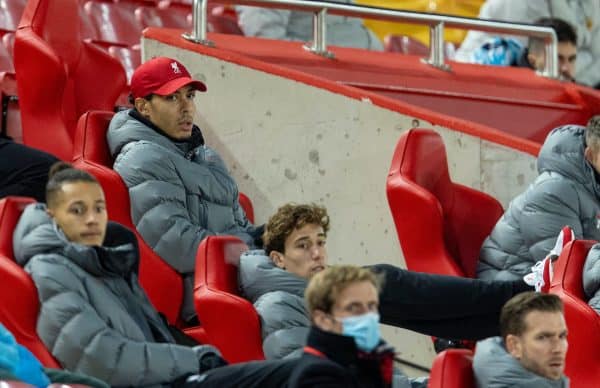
(170, 17)
(452, 368)
(230, 321)
(161, 282)
(59, 77)
(441, 225)
(583, 357)
(115, 23)
(10, 14)
(19, 303)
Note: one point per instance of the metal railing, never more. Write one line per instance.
(436, 24)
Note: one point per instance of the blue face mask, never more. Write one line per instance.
(364, 329)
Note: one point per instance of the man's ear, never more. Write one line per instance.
(514, 346)
(141, 105)
(533, 61)
(588, 153)
(277, 258)
(322, 320)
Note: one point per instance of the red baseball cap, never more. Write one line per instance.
(162, 76)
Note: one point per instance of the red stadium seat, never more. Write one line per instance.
(11, 114)
(223, 19)
(115, 23)
(231, 322)
(10, 14)
(406, 45)
(171, 17)
(59, 77)
(583, 322)
(452, 368)
(130, 58)
(441, 225)
(19, 303)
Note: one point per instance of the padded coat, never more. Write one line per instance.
(297, 25)
(278, 297)
(591, 277)
(566, 192)
(94, 316)
(494, 367)
(180, 192)
(582, 15)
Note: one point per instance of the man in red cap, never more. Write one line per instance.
(180, 189)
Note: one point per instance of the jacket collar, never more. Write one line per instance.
(195, 141)
(338, 348)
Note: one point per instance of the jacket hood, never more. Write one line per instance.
(128, 126)
(36, 233)
(495, 367)
(258, 276)
(563, 152)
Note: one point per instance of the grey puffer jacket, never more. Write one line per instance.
(94, 316)
(591, 277)
(494, 367)
(180, 192)
(296, 25)
(566, 192)
(278, 297)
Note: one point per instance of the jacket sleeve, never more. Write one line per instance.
(263, 22)
(285, 324)
(83, 342)
(158, 206)
(591, 277)
(550, 206)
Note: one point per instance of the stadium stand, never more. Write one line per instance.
(441, 224)
(231, 322)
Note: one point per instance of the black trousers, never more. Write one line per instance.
(23, 170)
(443, 306)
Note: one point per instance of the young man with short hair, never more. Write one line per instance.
(532, 349)
(275, 279)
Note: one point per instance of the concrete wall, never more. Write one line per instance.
(288, 141)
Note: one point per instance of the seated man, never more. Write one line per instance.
(566, 193)
(275, 280)
(179, 188)
(344, 346)
(285, 24)
(531, 352)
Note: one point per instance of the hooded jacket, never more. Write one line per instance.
(494, 367)
(275, 23)
(180, 192)
(566, 192)
(278, 297)
(591, 277)
(94, 316)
